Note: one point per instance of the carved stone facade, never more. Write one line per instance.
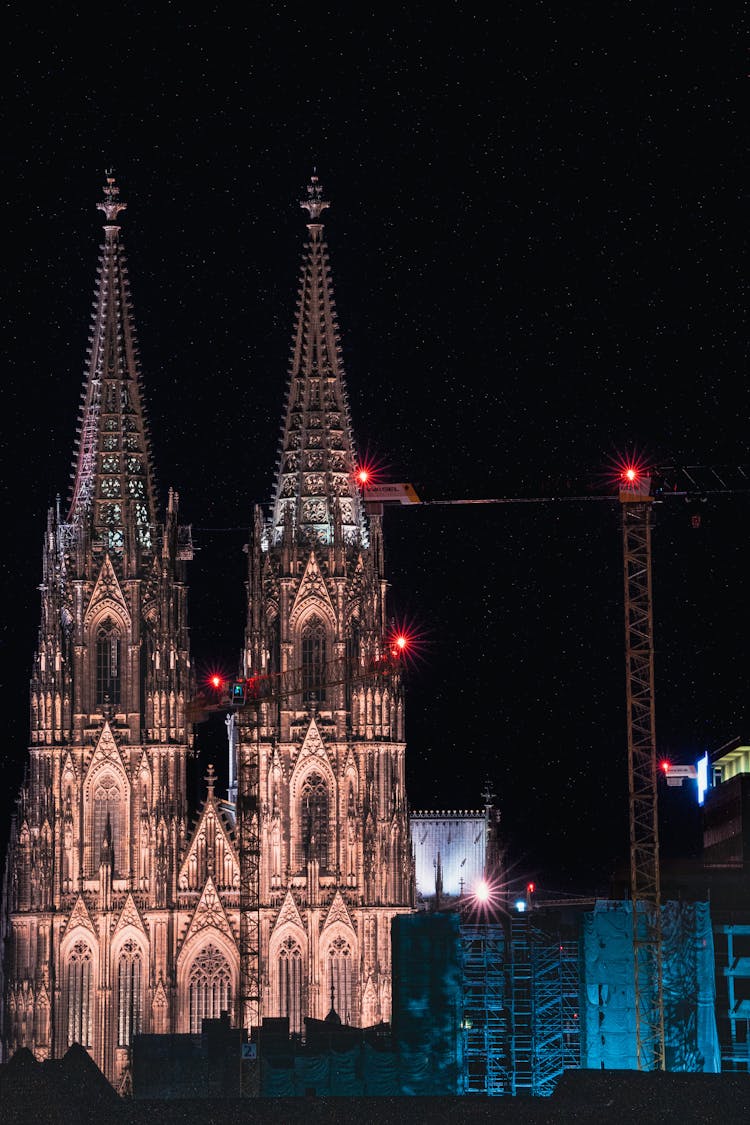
(117, 918)
(335, 854)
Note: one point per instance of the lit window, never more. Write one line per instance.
(108, 666)
(79, 996)
(210, 987)
(314, 821)
(128, 994)
(313, 661)
(290, 983)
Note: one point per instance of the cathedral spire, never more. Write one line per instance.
(315, 487)
(113, 489)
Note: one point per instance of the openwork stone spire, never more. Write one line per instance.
(113, 488)
(315, 483)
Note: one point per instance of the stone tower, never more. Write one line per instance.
(335, 859)
(112, 918)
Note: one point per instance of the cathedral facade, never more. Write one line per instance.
(118, 917)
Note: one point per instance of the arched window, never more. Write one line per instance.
(106, 799)
(210, 987)
(313, 821)
(108, 670)
(313, 661)
(341, 979)
(129, 970)
(290, 983)
(80, 995)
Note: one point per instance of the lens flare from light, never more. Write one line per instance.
(482, 891)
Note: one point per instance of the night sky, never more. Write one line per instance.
(538, 245)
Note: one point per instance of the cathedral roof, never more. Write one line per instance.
(113, 487)
(315, 477)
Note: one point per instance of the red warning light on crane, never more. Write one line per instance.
(363, 476)
(216, 682)
(665, 766)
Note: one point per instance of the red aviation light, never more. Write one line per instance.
(665, 766)
(363, 476)
(216, 682)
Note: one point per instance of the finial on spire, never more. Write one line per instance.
(111, 205)
(210, 778)
(315, 205)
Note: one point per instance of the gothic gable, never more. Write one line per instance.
(289, 915)
(211, 852)
(130, 916)
(209, 915)
(107, 751)
(338, 913)
(107, 596)
(312, 750)
(312, 592)
(79, 916)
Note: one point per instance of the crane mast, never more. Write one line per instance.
(636, 506)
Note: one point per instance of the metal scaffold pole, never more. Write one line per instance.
(249, 857)
(636, 506)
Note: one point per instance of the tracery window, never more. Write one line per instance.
(108, 666)
(106, 800)
(341, 979)
(313, 820)
(313, 661)
(129, 1004)
(210, 987)
(290, 983)
(80, 995)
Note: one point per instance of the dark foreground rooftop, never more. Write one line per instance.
(72, 1090)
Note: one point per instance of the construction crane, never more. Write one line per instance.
(637, 492)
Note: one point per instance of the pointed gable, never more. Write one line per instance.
(107, 751)
(130, 916)
(288, 915)
(312, 589)
(338, 912)
(209, 915)
(79, 916)
(211, 851)
(107, 596)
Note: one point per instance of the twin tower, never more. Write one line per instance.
(118, 916)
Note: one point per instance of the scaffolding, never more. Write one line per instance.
(522, 995)
(486, 1015)
(557, 1039)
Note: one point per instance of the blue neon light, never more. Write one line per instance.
(702, 778)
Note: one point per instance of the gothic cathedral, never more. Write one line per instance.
(118, 917)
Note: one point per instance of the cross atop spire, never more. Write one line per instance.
(111, 206)
(315, 205)
(315, 488)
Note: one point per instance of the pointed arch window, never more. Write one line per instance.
(313, 821)
(340, 977)
(314, 652)
(106, 800)
(80, 995)
(129, 993)
(108, 663)
(290, 983)
(209, 987)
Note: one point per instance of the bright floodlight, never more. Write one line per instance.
(520, 905)
(482, 891)
(630, 474)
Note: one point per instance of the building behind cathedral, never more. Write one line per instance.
(118, 918)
